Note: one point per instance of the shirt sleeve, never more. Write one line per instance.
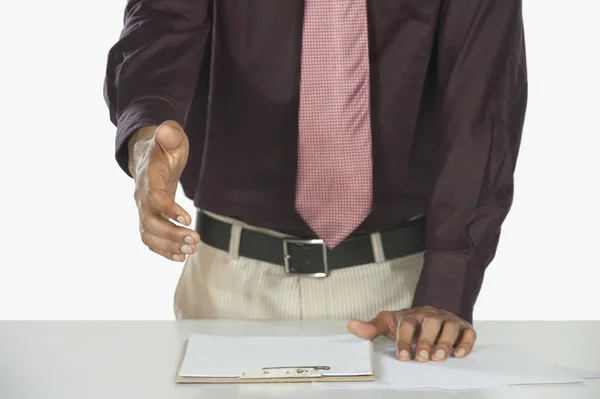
(153, 68)
(481, 68)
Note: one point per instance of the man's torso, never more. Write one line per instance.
(243, 122)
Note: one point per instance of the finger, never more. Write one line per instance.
(363, 329)
(159, 188)
(160, 201)
(467, 341)
(180, 219)
(448, 338)
(162, 246)
(177, 257)
(407, 329)
(185, 220)
(152, 223)
(430, 329)
(383, 324)
(170, 256)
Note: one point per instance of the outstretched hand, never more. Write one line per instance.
(157, 157)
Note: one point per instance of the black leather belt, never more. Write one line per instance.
(311, 256)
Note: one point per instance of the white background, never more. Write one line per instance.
(69, 237)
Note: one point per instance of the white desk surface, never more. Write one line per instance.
(138, 359)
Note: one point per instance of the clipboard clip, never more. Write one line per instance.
(285, 372)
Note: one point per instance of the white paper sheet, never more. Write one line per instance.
(218, 356)
(583, 373)
(370, 385)
(486, 367)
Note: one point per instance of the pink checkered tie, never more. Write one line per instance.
(334, 184)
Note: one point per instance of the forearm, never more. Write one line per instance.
(482, 108)
(153, 69)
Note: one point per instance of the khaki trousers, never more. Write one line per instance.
(216, 284)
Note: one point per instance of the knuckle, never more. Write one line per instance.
(424, 346)
(443, 344)
(412, 311)
(425, 342)
(383, 314)
(409, 320)
(451, 326)
(472, 333)
(173, 248)
(146, 225)
(468, 331)
(174, 235)
(433, 320)
(144, 220)
(144, 236)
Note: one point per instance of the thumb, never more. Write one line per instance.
(383, 324)
(363, 329)
(170, 136)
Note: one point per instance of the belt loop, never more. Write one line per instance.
(234, 240)
(377, 245)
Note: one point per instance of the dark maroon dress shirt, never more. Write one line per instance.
(448, 99)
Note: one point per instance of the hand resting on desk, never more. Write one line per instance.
(432, 329)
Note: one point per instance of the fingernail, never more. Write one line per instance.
(189, 240)
(423, 353)
(181, 219)
(461, 352)
(404, 353)
(440, 353)
(176, 258)
(186, 249)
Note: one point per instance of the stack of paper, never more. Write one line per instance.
(489, 366)
(227, 357)
(346, 359)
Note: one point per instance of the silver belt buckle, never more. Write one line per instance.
(287, 256)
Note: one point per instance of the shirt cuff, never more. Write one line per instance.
(142, 113)
(448, 283)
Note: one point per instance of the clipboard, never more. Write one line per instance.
(275, 374)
